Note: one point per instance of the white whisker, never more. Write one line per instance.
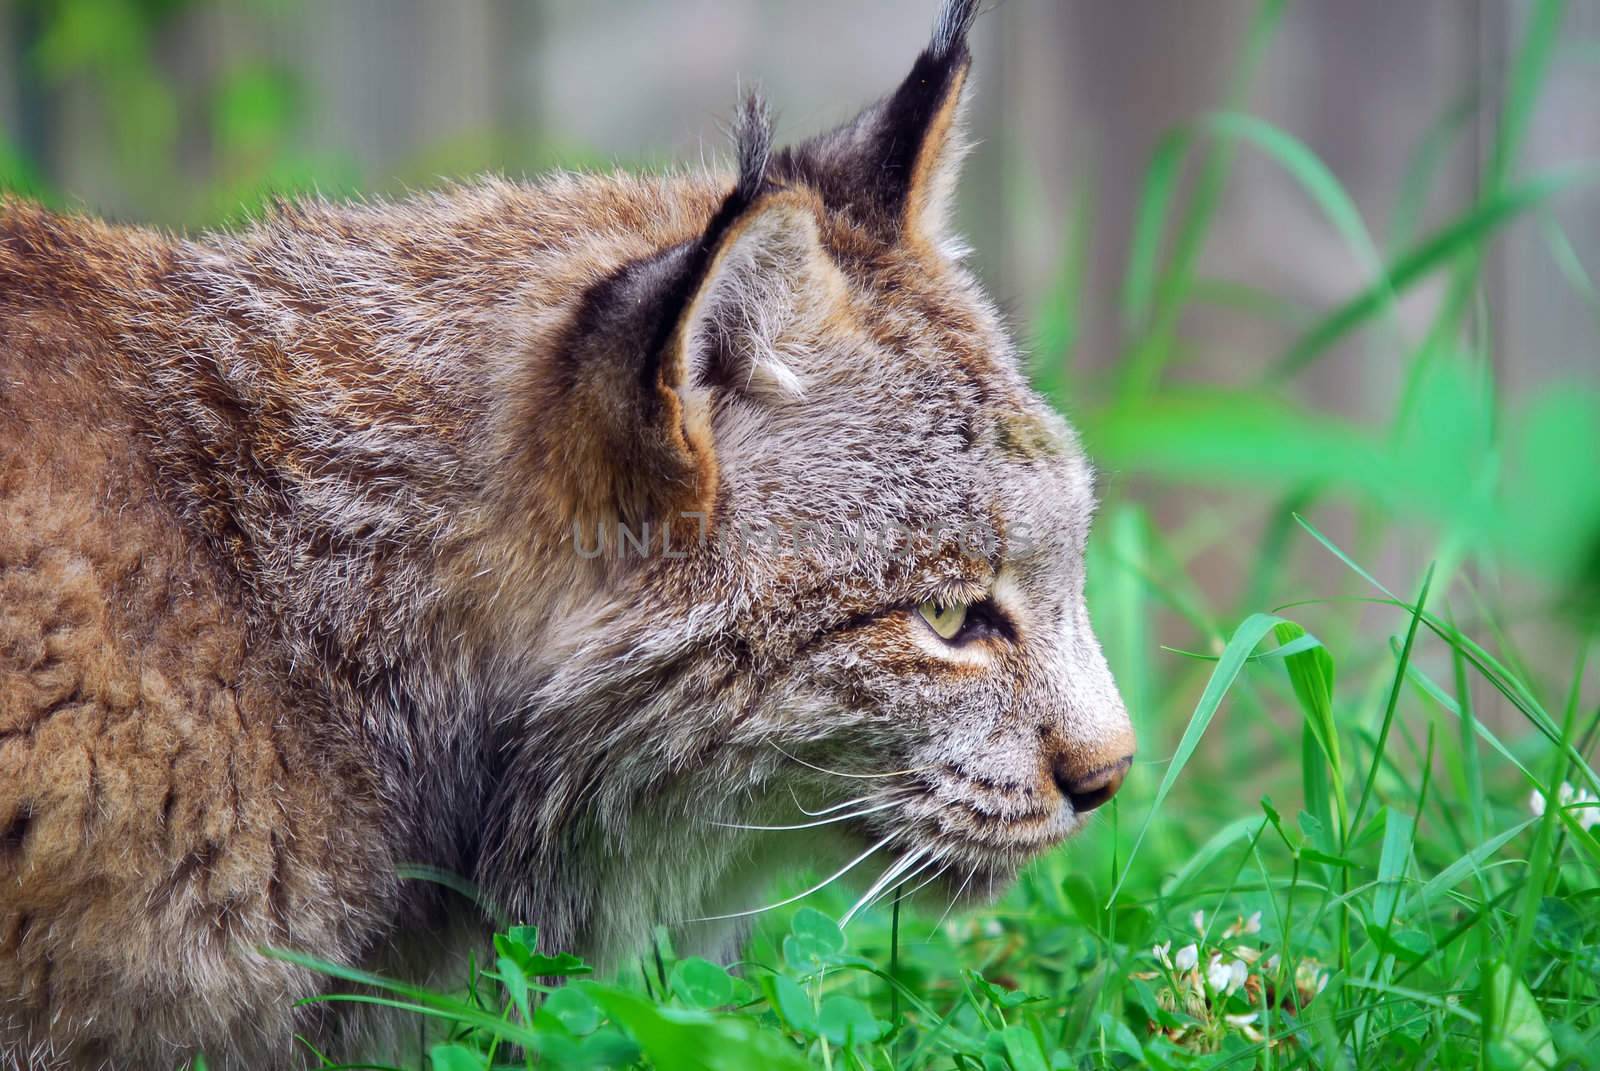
(970, 875)
(859, 776)
(894, 870)
(851, 865)
(902, 881)
(810, 825)
(925, 882)
(827, 810)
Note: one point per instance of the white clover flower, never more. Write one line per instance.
(1581, 800)
(1199, 920)
(1253, 923)
(1187, 958)
(1245, 1024)
(1217, 972)
(1309, 978)
(1271, 965)
(1160, 952)
(1225, 977)
(1588, 814)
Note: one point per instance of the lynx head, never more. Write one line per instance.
(841, 547)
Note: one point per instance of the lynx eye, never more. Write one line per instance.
(945, 618)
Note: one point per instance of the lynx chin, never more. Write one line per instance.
(289, 595)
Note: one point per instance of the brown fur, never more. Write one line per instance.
(292, 591)
(167, 798)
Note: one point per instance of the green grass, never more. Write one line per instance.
(1328, 855)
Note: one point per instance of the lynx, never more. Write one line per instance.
(463, 532)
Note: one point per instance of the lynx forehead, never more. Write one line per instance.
(320, 552)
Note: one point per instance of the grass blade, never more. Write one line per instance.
(1468, 232)
(1245, 638)
(1394, 699)
(1156, 198)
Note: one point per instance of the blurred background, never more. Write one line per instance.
(1176, 270)
(186, 112)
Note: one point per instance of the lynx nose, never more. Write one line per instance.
(1086, 790)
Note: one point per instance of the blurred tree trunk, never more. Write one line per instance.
(25, 105)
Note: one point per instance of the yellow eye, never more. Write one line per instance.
(945, 618)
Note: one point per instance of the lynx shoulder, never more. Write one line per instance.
(541, 533)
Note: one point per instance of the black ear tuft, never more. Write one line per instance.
(676, 273)
(752, 142)
(891, 168)
(955, 22)
(752, 139)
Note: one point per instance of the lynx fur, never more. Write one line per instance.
(461, 532)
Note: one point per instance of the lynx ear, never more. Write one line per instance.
(657, 342)
(894, 167)
(769, 286)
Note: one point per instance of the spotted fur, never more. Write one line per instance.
(310, 566)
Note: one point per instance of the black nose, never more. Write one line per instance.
(1088, 790)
